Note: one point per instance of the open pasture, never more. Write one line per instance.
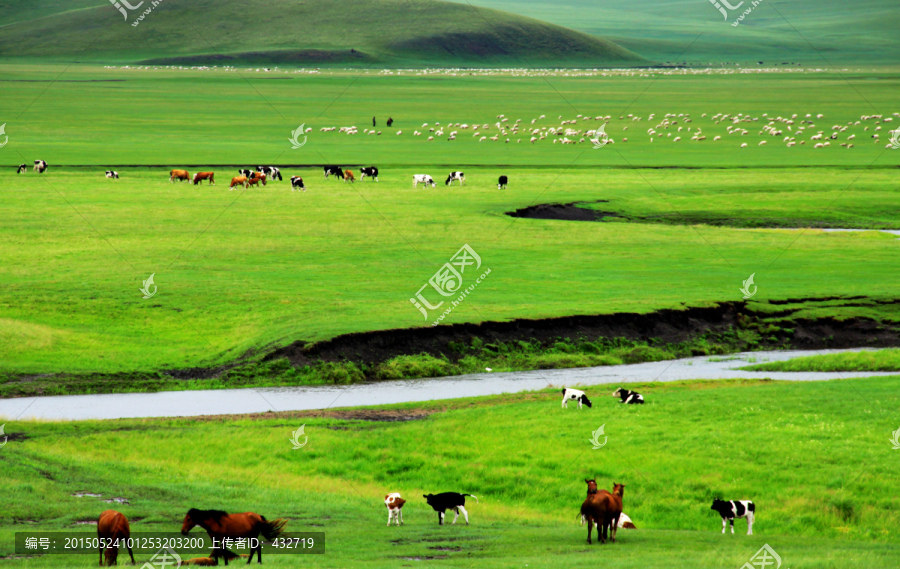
(176, 117)
(814, 457)
(238, 270)
(245, 271)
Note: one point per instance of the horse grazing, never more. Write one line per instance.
(602, 508)
(219, 525)
(200, 176)
(238, 181)
(179, 175)
(113, 525)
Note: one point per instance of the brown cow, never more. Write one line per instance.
(112, 525)
(256, 177)
(348, 176)
(179, 175)
(200, 176)
(238, 181)
(394, 504)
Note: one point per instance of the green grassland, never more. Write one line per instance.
(815, 458)
(879, 360)
(95, 116)
(814, 33)
(351, 32)
(241, 272)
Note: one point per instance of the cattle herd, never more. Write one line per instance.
(601, 507)
(39, 166)
(264, 174)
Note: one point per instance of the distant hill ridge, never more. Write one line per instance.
(310, 32)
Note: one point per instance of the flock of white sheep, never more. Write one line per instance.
(791, 129)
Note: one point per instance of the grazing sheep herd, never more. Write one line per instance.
(789, 129)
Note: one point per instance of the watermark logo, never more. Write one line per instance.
(3, 132)
(295, 439)
(146, 288)
(746, 288)
(895, 138)
(602, 138)
(721, 8)
(163, 559)
(295, 142)
(763, 559)
(448, 281)
(127, 5)
(894, 441)
(6, 438)
(595, 438)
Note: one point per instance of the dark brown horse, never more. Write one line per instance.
(113, 525)
(219, 525)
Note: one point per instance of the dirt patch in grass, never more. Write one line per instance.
(563, 212)
(378, 415)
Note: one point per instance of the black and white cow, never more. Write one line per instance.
(245, 173)
(40, 166)
(455, 176)
(22, 168)
(371, 171)
(449, 501)
(271, 172)
(574, 394)
(735, 509)
(336, 170)
(297, 183)
(501, 183)
(112, 174)
(629, 397)
(423, 179)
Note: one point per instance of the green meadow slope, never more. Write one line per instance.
(815, 457)
(814, 33)
(355, 32)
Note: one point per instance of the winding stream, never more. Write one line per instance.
(260, 400)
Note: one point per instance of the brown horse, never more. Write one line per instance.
(219, 525)
(256, 179)
(615, 510)
(594, 509)
(179, 175)
(238, 181)
(200, 176)
(113, 525)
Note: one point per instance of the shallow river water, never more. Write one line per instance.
(235, 401)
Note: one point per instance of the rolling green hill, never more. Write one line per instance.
(360, 32)
(785, 31)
